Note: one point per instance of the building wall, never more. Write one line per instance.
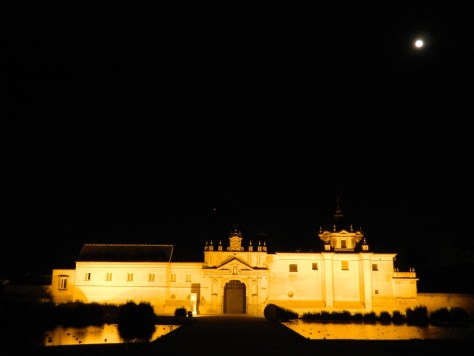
(117, 282)
(304, 283)
(434, 301)
(183, 287)
(302, 291)
(346, 286)
(342, 281)
(62, 293)
(357, 282)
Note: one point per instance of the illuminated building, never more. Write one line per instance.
(242, 278)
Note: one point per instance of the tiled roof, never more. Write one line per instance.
(125, 253)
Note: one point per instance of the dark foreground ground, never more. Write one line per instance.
(248, 336)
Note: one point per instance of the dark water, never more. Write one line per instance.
(106, 334)
(320, 331)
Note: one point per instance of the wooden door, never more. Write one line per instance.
(234, 298)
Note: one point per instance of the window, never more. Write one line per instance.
(62, 282)
(151, 277)
(108, 277)
(188, 277)
(173, 277)
(376, 291)
(343, 244)
(87, 277)
(293, 267)
(345, 265)
(315, 266)
(129, 277)
(375, 267)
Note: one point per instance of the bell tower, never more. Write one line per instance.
(341, 237)
(235, 240)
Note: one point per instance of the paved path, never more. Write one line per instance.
(230, 335)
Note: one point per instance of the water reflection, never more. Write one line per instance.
(105, 334)
(377, 331)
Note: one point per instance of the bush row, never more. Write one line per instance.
(416, 316)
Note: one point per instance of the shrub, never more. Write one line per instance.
(385, 317)
(369, 317)
(458, 314)
(325, 315)
(136, 322)
(358, 317)
(311, 316)
(180, 312)
(342, 316)
(449, 315)
(398, 318)
(274, 313)
(75, 314)
(440, 315)
(417, 316)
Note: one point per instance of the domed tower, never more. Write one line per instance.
(342, 237)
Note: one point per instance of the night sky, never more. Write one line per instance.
(170, 123)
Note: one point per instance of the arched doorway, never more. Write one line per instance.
(234, 297)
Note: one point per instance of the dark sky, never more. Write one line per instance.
(131, 123)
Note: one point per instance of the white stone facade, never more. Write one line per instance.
(233, 279)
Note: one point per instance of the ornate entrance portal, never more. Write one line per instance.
(234, 297)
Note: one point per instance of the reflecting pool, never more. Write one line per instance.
(377, 331)
(105, 334)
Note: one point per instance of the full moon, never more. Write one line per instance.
(419, 43)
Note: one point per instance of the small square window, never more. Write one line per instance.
(129, 277)
(87, 277)
(188, 277)
(345, 265)
(151, 277)
(293, 267)
(375, 267)
(173, 277)
(108, 277)
(315, 266)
